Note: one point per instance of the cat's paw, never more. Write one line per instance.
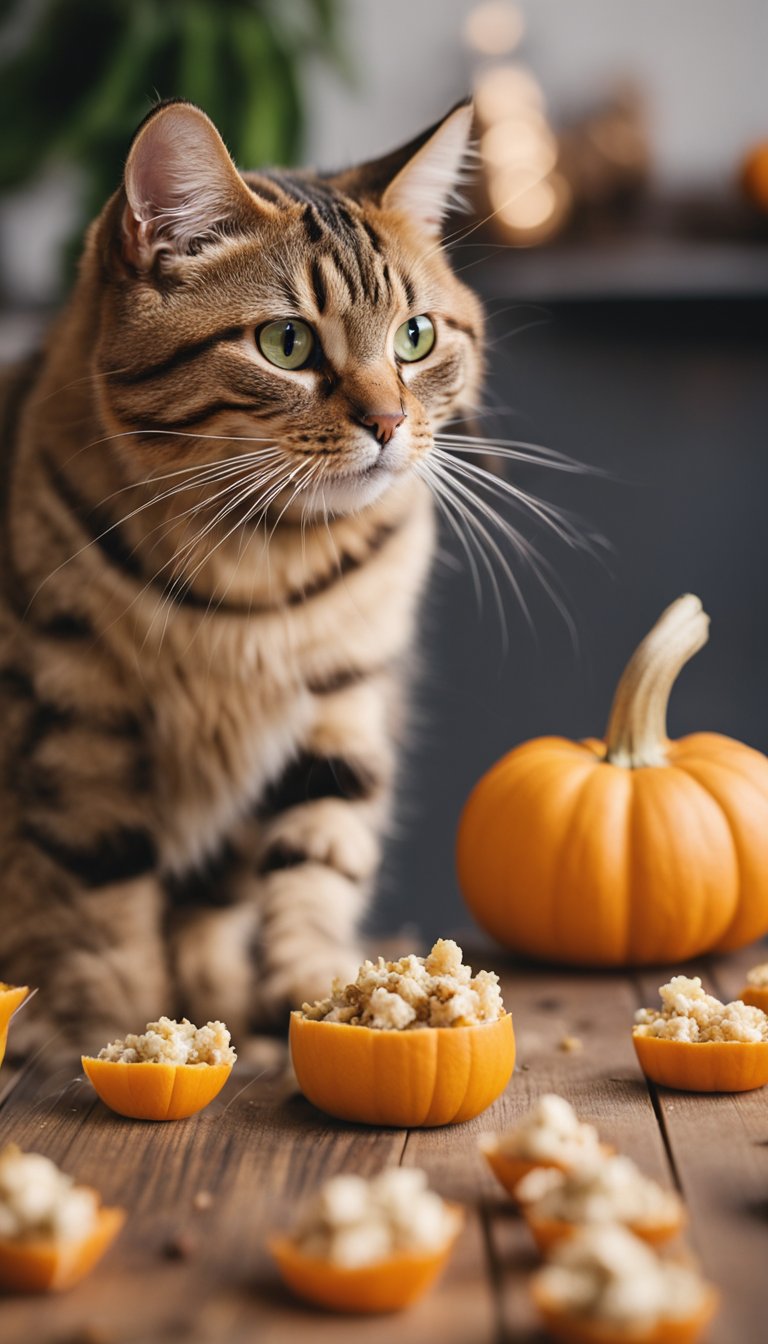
(281, 989)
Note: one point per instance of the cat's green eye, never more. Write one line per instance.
(414, 339)
(288, 343)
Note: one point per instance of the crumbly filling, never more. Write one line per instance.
(433, 991)
(550, 1132)
(37, 1201)
(353, 1222)
(689, 1014)
(604, 1273)
(171, 1042)
(608, 1190)
(758, 976)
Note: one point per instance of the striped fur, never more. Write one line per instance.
(201, 712)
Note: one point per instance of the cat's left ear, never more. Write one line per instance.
(180, 184)
(419, 179)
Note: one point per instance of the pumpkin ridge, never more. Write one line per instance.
(662, 823)
(740, 843)
(566, 839)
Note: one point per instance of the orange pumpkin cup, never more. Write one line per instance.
(756, 996)
(509, 1169)
(434, 1076)
(11, 999)
(48, 1266)
(548, 1232)
(147, 1091)
(703, 1066)
(569, 1329)
(386, 1285)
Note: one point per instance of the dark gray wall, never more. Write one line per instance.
(672, 399)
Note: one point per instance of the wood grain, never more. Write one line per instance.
(203, 1275)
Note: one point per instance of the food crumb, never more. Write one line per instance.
(202, 1200)
(181, 1246)
(571, 1044)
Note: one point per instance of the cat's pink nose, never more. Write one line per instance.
(383, 423)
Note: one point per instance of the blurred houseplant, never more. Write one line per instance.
(77, 76)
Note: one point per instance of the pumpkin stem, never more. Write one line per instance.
(637, 725)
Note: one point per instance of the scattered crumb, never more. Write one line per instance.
(181, 1246)
(202, 1200)
(571, 1044)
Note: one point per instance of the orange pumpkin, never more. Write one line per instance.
(631, 851)
(45, 1265)
(386, 1285)
(756, 996)
(703, 1066)
(435, 1076)
(570, 1329)
(149, 1091)
(11, 999)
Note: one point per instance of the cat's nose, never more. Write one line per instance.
(382, 423)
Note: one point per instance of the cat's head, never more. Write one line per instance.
(311, 320)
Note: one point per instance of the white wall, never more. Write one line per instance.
(704, 64)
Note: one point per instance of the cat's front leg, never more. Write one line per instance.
(320, 847)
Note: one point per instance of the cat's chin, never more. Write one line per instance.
(350, 494)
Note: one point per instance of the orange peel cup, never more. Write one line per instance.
(756, 996)
(11, 999)
(385, 1285)
(549, 1232)
(509, 1169)
(703, 1066)
(569, 1329)
(148, 1091)
(436, 1076)
(48, 1266)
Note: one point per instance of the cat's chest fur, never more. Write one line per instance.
(236, 698)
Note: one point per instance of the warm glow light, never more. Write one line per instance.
(495, 28)
(531, 211)
(506, 91)
(524, 141)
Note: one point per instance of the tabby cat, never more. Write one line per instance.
(215, 539)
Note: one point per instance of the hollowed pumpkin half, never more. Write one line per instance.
(155, 1091)
(703, 1066)
(433, 1076)
(570, 1329)
(47, 1266)
(756, 996)
(387, 1285)
(549, 1232)
(11, 999)
(634, 850)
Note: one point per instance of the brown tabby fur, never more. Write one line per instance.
(199, 735)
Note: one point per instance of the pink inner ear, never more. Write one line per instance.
(179, 180)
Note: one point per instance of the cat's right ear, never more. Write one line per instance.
(180, 185)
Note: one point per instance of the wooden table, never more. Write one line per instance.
(182, 1272)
